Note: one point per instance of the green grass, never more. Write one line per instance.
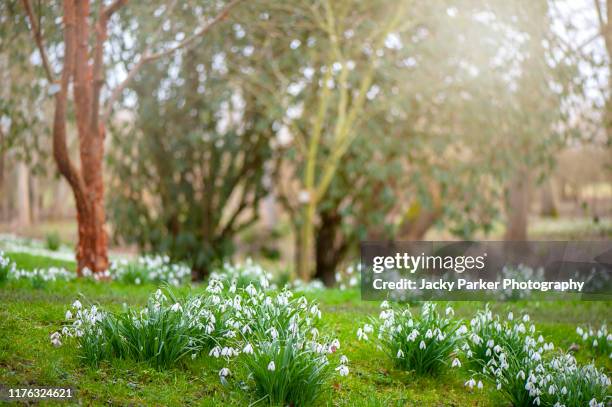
(28, 316)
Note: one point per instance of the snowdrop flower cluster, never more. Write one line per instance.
(150, 269)
(518, 361)
(519, 273)
(561, 381)
(600, 341)
(7, 267)
(350, 277)
(422, 343)
(242, 274)
(12, 243)
(44, 275)
(10, 271)
(301, 286)
(273, 335)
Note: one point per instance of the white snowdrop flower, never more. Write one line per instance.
(271, 366)
(248, 349)
(536, 401)
(273, 333)
(450, 311)
(55, 339)
(490, 343)
(585, 336)
(176, 307)
(536, 356)
(193, 356)
(520, 375)
(579, 331)
(422, 345)
(367, 328)
(499, 386)
(470, 383)
(251, 290)
(224, 372)
(510, 316)
(595, 343)
(462, 330)
(479, 385)
(429, 334)
(456, 363)
(361, 335)
(384, 304)
(215, 352)
(400, 354)
(594, 403)
(137, 281)
(564, 390)
(344, 360)
(68, 314)
(343, 370)
(315, 333)
(77, 304)
(335, 345)
(526, 318)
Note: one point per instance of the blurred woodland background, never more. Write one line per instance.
(291, 130)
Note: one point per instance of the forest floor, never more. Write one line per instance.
(28, 315)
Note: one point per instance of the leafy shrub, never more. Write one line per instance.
(424, 344)
(53, 241)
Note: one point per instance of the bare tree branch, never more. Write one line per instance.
(39, 40)
(148, 57)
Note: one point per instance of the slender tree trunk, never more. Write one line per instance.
(416, 229)
(2, 174)
(23, 196)
(517, 207)
(306, 247)
(547, 200)
(330, 247)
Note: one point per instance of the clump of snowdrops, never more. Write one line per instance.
(269, 337)
(243, 274)
(150, 269)
(425, 343)
(7, 267)
(510, 354)
(599, 341)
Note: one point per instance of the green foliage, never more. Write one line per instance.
(421, 344)
(287, 373)
(53, 241)
(190, 172)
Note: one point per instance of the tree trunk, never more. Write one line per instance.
(330, 247)
(23, 196)
(2, 174)
(306, 248)
(517, 207)
(415, 229)
(547, 200)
